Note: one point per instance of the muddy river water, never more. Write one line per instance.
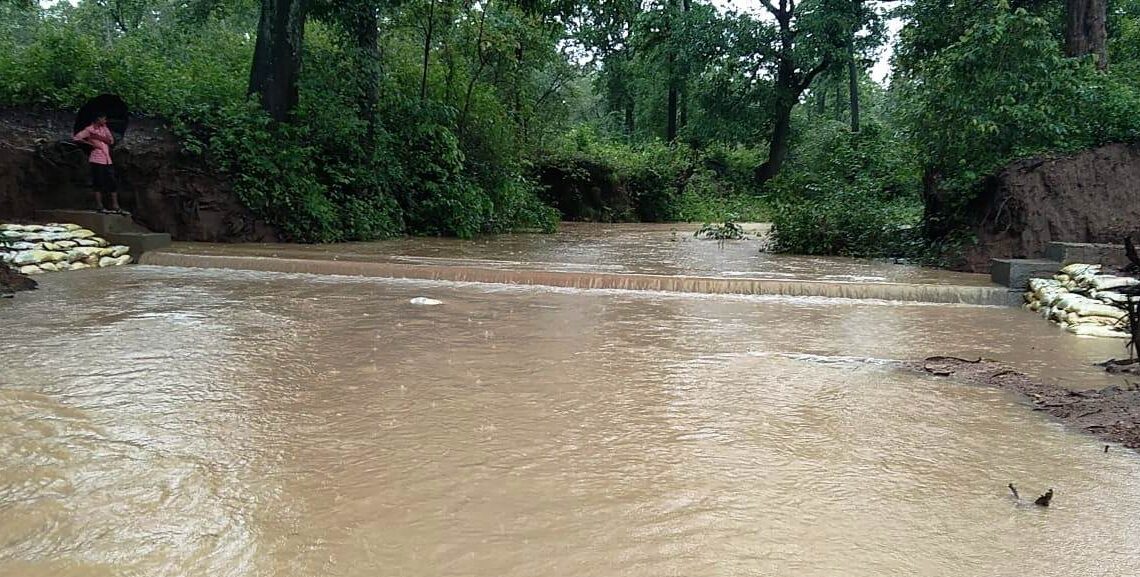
(160, 421)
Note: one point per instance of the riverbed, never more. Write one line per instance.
(165, 421)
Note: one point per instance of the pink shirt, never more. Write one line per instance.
(100, 139)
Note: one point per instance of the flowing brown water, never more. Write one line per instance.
(159, 421)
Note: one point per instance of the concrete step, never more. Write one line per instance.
(1016, 272)
(140, 242)
(101, 223)
(116, 228)
(1086, 253)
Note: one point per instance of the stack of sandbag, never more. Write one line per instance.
(1082, 300)
(36, 248)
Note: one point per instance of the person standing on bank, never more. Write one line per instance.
(100, 139)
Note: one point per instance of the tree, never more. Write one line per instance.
(277, 56)
(1085, 29)
(806, 42)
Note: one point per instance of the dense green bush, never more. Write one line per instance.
(651, 181)
(844, 193)
(318, 178)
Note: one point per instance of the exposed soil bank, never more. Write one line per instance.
(1112, 414)
(164, 188)
(1092, 196)
(12, 281)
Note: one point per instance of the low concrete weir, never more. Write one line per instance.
(931, 293)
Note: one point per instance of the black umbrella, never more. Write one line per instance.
(107, 105)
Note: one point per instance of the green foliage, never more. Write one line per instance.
(727, 230)
(1004, 90)
(589, 176)
(851, 194)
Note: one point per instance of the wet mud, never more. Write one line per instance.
(1111, 413)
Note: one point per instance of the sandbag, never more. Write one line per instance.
(1096, 331)
(1079, 269)
(119, 250)
(78, 266)
(1108, 282)
(32, 257)
(1111, 297)
(1075, 319)
(1036, 284)
(30, 269)
(1096, 309)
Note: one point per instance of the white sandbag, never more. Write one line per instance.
(49, 266)
(1075, 319)
(1108, 282)
(1058, 314)
(30, 269)
(1111, 297)
(1070, 301)
(30, 257)
(71, 227)
(119, 250)
(1036, 284)
(23, 245)
(82, 233)
(106, 261)
(11, 234)
(1034, 306)
(85, 242)
(67, 244)
(1079, 269)
(1096, 331)
(101, 242)
(1062, 278)
(78, 266)
(1050, 295)
(83, 252)
(122, 259)
(1097, 309)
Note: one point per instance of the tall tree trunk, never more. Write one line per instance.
(428, 30)
(683, 81)
(838, 108)
(367, 36)
(779, 143)
(671, 64)
(853, 86)
(1085, 31)
(821, 100)
(629, 119)
(277, 56)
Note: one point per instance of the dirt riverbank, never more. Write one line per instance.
(12, 281)
(1112, 414)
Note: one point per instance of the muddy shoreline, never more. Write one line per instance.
(1111, 414)
(12, 281)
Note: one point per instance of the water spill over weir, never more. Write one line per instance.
(172, 421)
(641, 257)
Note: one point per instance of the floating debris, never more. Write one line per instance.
(424, 301)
